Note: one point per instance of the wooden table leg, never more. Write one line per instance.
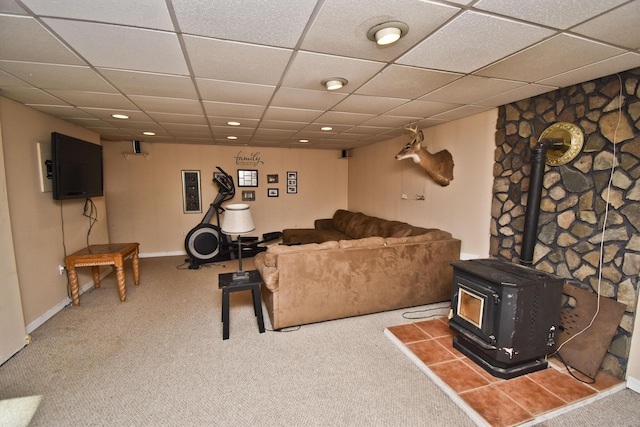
(120, 278)
(136, 268)
(257, 307)
(96, 276)
(73, 283)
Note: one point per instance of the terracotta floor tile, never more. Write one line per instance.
(495, 406)
(605, 381)
(408, 333)
(431, 352)
(484, 374)
(447, 342)
(562, 385)
(436, 327)
(459, 376)
(531, 396)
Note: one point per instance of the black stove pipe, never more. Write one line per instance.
(538, 157)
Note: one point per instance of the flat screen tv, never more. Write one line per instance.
(76, 168)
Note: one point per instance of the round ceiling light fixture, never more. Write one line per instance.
(334, 83)
(387, 32)
(120, 116)
(148, 133)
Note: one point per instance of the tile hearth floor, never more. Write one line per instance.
(490, 401)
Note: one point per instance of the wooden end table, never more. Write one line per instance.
(253, 284)
(96, 255)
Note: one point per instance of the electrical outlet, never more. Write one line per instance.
(61, 269)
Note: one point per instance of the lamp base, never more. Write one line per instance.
(240, 276)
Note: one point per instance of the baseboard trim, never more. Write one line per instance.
(62, 304)
(161, 254)
(633, 384)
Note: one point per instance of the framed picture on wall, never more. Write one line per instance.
(248, 195)
(191, 192)
(247, 178)
(272, 179)
(292, 182)
(272, 192)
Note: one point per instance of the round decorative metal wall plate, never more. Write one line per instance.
(572, 141)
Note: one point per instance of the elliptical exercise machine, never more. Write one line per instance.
(206, 243)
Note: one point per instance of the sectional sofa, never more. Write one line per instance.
(354, 264)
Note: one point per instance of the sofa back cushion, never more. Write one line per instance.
(341, 220)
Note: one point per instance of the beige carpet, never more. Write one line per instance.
(159, 359)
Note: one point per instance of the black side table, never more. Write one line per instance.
(226, 283)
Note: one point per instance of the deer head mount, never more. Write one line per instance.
(439, 166)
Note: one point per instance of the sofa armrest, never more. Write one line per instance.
(323, 224)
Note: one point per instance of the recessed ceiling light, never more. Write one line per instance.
(232, 137)
(334, 83)
(120, 116)
(326, 128)
(149, 133)
(303, 141)
(233, 123)
(387, 32)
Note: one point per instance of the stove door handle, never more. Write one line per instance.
(471, 336)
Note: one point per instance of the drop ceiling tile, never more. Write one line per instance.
(293, 114)
(30, 95)
(398, 81)
(234, 61)
(65, 111)
(221, 121)
(281, 125)
(236, 93)
(307, 71)
(387, 121)
(168, 118)
(306, 99)
(618, 27)
(366, 130)
(471, 41)
(51, 76)
(338, 118)
(422, 109)
(10, 6)
(238, 111)
(522, 92)
(139, 13)
(553, 13)
(94, 99)
(269, 23)
(275, 133)
(167, 105)
(368, 104)
(24, 39)
(470, 89)
(557, 55)
(463, 111)
(150, 84)
(232, 130)
(184, 127)
(607, 67)
(105, 114)
(7, 80)
(102, 45)
(341, 27)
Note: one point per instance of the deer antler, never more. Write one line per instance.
(413, 130)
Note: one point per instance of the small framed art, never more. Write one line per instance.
(272, 192)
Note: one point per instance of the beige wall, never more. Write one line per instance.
(377, 182)
(36, 219)
(145, 194)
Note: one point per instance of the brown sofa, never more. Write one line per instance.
(354, 264)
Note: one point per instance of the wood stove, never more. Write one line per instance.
(506, 315)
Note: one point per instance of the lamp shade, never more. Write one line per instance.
(237, 219)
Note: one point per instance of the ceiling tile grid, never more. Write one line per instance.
(185, 68)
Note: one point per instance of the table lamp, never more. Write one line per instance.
(237, 220)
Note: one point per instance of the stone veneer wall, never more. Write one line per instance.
(574, 196)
